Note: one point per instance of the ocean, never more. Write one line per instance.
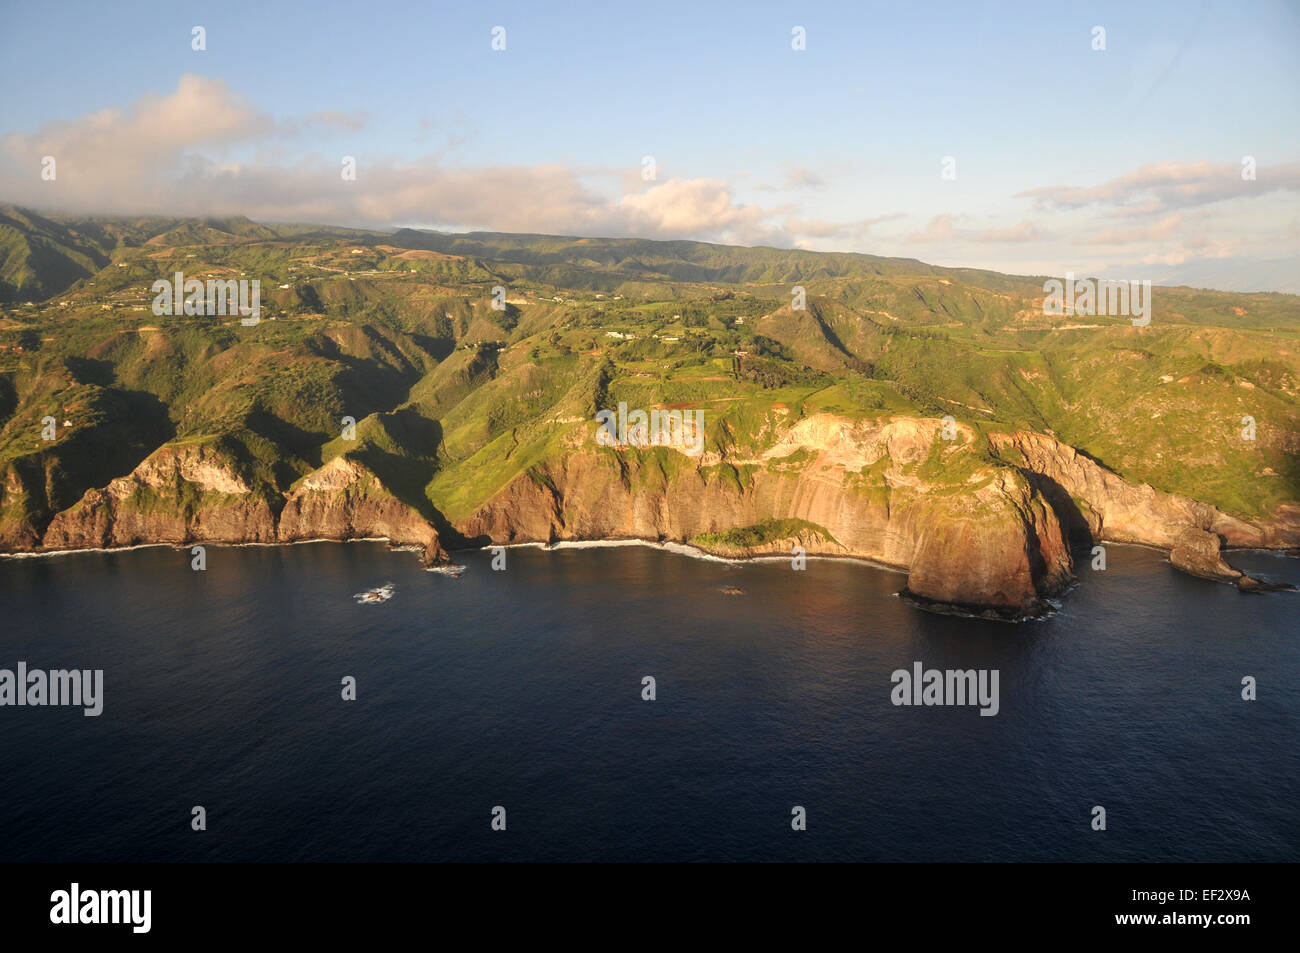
(523, 690)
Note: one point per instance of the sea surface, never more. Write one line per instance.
(523, 689)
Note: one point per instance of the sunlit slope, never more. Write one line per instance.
(450, 365)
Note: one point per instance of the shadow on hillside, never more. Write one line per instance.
(1290, 477)
(132, 425)
(435, 347)
(8, 399)
(408, 470)
(85, 370)
(301, 443)
(408, 474)
(452, 538)
(1088, 456)
(370, 387)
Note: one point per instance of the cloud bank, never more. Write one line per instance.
(203, 149)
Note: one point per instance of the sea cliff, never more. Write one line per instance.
(982, 524)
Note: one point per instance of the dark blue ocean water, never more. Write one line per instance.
(523, 689)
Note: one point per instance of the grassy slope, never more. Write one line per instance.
(454, 399)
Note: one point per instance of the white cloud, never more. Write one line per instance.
(943, 228)
(1166, 186)
(131, 150)
(938, 229)
(203, 149)
(797, 178)
(1023, 231)
(172, 154)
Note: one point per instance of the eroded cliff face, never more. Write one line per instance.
(22, 504)
(185, 493)
(970, 533)
(1112, 509)
(345, 500)
(977, 526)
(179, 494)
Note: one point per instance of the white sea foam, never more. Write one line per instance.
(452, 570)
(693, 552)
(46, 553)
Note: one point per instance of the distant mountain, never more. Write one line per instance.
(1233, 274)
(683, 260)
(40, 257)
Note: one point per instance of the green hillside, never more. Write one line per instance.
(454, 398)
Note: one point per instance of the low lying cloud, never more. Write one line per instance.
(1023, 231)
(204, 149)
(172, 155)
(1168, 186)
(687, 207)
(819, 228)
(938, 229)
(797, 178)
(133, 151)
(1159, 231)
(943, 228)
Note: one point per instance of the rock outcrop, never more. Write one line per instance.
(180, 493)
(196, 492)
(22, 500)
(979, 527)
(973, 534)
(1111, 509)
(345, 500)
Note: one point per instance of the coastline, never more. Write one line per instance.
(1039, 609)
(40, 554)
(691, 552)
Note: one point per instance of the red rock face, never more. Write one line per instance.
(999, 545)
(972, 532)
(1011, 562)
(1118, 511)
(22, 493)
(148, 506)
(343, 500)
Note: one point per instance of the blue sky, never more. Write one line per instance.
(1123, 161)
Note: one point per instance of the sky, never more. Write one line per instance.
(1010, 136)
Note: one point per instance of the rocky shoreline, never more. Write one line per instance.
(988, 534)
